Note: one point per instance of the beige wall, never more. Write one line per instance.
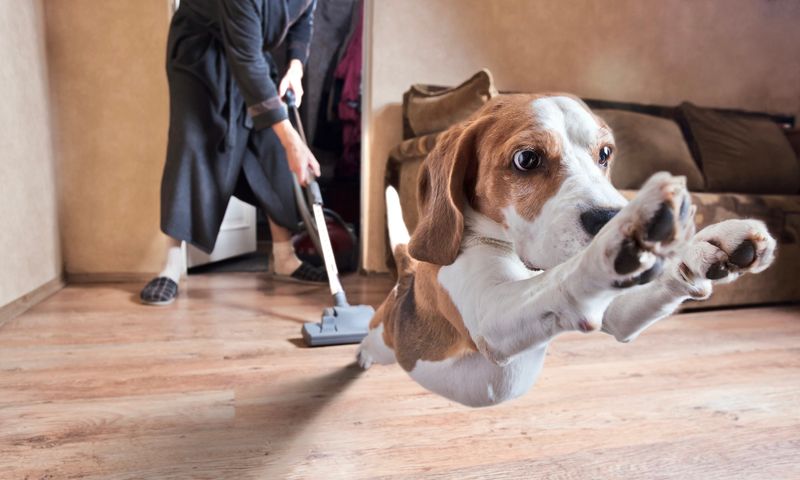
(724, 53)
(110, 101)
(29, 246)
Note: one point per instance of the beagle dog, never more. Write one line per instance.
(522, 237)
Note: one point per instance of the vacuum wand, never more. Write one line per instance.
(339, 298)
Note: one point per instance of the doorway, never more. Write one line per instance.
(331, 116)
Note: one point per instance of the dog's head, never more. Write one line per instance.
(536, 165)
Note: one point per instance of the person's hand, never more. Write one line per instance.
(301, 160)
(293, 80)
(299, 156)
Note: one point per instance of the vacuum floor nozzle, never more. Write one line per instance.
(339, 325)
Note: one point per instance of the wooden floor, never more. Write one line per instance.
(218, 385)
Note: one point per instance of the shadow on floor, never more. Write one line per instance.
(249, 262)
(266, 437)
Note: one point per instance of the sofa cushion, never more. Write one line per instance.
(413, 148)
(645, 145)
(429, 109)
(739, 153)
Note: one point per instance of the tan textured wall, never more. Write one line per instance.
(110, 99)
(29, 245)
(724, 53)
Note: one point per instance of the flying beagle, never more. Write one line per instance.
(522, 237)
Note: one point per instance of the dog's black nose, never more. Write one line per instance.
(594, 219)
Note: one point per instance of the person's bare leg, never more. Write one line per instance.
(285, 261)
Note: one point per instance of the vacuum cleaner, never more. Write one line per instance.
(343, 323)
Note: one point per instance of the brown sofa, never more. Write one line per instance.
(714, 148)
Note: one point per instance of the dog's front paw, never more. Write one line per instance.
(363, 357)
(651, 227)
(722, 252)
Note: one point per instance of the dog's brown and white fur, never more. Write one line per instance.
(502, 260)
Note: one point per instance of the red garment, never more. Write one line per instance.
(349, 108)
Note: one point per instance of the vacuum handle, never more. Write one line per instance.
(291, 103)
(313, 190)
(290, 98)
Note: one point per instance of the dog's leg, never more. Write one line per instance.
(374, 350)
(719, 253)
(506, 318)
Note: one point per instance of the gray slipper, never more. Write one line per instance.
(159, 291)
(305, 273)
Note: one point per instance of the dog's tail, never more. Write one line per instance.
(398, 232)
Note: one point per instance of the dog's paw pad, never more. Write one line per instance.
(717, 270)
(723, 251)
(644, 277)
(665, 206)
(732, 264)
(744, 255)
(652, 226)
(662, 225)
(627, 260)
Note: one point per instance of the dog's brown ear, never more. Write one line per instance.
(437, 238)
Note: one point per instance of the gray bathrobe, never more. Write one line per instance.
(223, 99)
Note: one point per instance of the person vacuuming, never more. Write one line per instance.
(229, 133)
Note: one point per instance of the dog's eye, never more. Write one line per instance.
(525, 160)
(605, 154)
